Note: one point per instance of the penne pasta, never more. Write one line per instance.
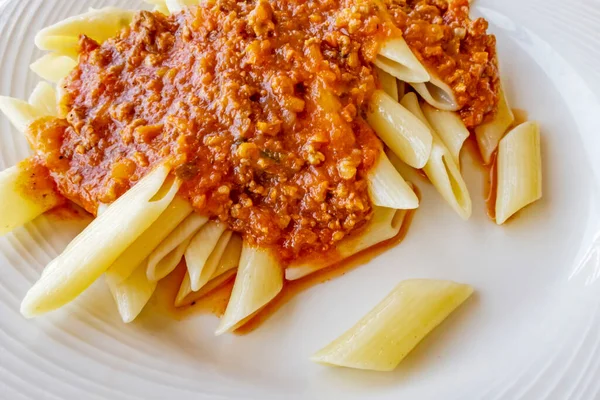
(489, 133)
(384, 225)
(175, 6)
(401, 131)
(140, 250)
(20, 113)
(225, 261)
(437, 93)
(441, 169)
(98, 24)
(258, 281)
(382, 338)
(133, 293)
(519, 166)
(26, 194)
(396, 58)
(93, 251)
(388, 83)
(53, 67)
(450, 129)
(212, 238)
(387, 188)
(171, 250)
(43, 98)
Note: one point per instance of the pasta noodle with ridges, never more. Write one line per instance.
(92, 252)
(441, 169)
(519, 170)
(401, 131)
(383, 337)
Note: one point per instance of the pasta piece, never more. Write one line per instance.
(396, 58)
(441, 169)
(204, 243)
(20, 113)
(259, 280)
(53, 67)
(133, 293)
(449, 128)
(226, 263)
(99, 25)
(94, 250)
(161, 9)
(401, 131)
(384, 225)
(401, 88)
(387, 188)
(519, 170)
(388, 83)
(140, 250)
(489, 134)
(67, 46)
(171, 249)
(19, 203)
(437, 93)
(175, 6)
(43, 98)
(382, 338)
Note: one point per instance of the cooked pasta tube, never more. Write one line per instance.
(387, 188)
(53, 67)
(258, 281)
(449, 127)
(94, 250)
(441, 169)
(43, 98)
(204, 252)
(383, 337)
(170, 251)
(519, 166)
(437, 93)
(98, 24)
(225, 262)
(401, 131)
(396, 58)
(388, 83)
(385, 224)
(20, 113)
(140, 250)
(133, 293)
(175, 6)
(489, 134)
(27, 192)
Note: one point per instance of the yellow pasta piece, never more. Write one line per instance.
(400, 130)
(388, 83)
(387, 188)
(94, 250)
(225, 261)
(450, 129)
(53, 67)
(20, 113)
(140, 250)
(519, 170)
(19, 204)
(382, 338)
(259, 280)
(133, 293)
(396, 58)
(43, 98)
(385, 224)
(441, 169)
(99, 25)
(170, 251)
(489, 134)
(204, 243)
(437, 93)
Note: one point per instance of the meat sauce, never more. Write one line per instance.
(257, 105)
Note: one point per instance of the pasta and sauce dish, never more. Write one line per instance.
(259, 140)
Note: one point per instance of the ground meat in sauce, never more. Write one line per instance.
(459, 50)
(257, 104)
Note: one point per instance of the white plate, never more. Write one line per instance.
(532, 331)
